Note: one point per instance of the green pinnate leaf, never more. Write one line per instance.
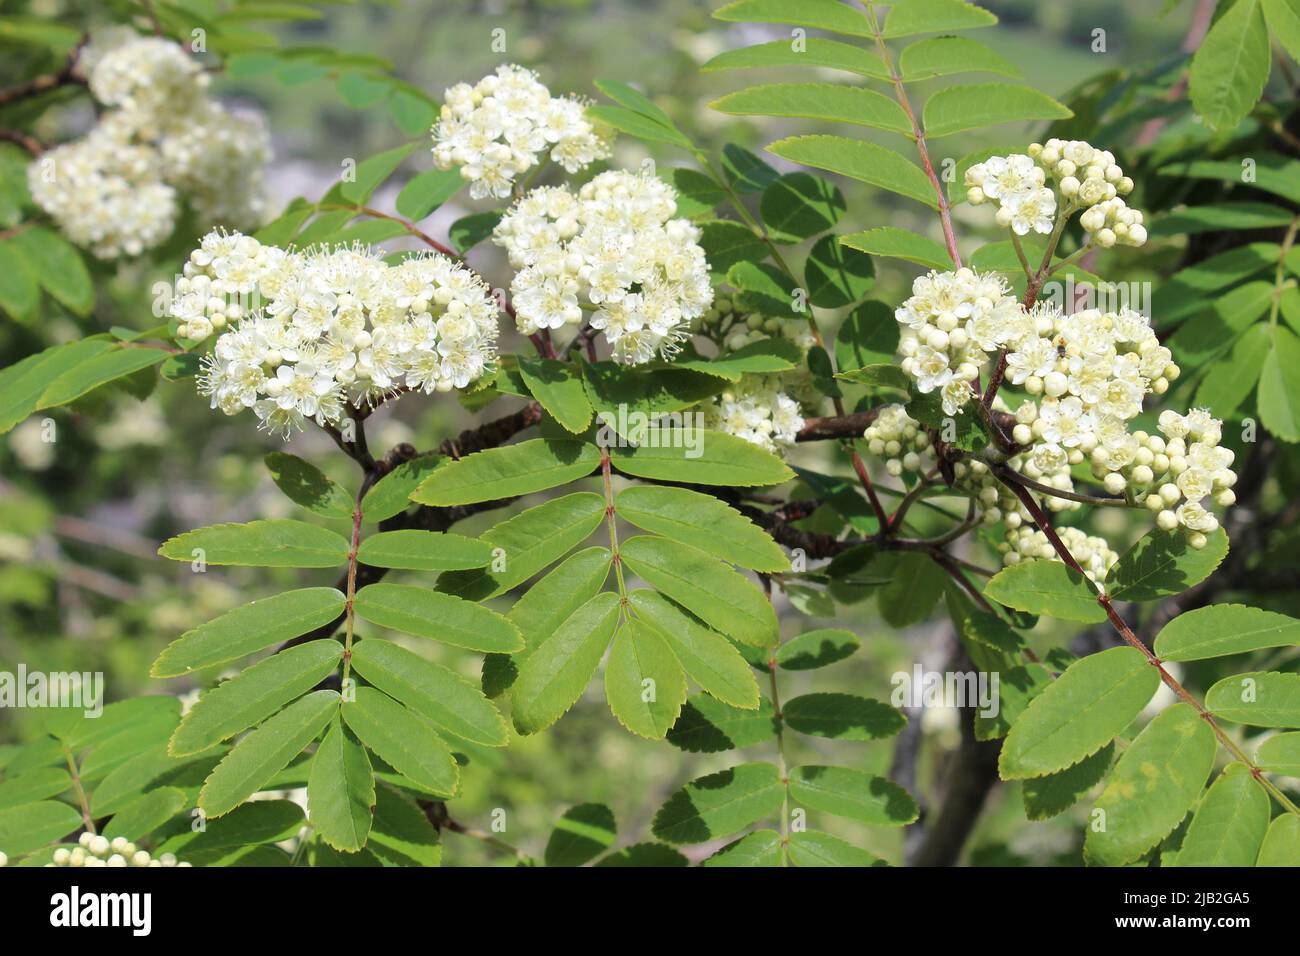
(894, 243)
(811, 848)
(819, 101)
(814, 52)
(819, 14)
(1231, 66)
(865, 162)
(1280, 754)
(941, 56)
(1163, 563)
(32, 825)
(583, 833)
(1279, 387)
(371, 173)
(1281, 845)
(955, 109)
(708, 658)
(1092, 702)
(842, 717)
(527, 543)
(1221, 630)
(147, 813)
(558, 386)
(391, 494)
(910, 17)
(711, 458)
(427, 191)
(89, 375)
(1054, 793)
(819, 648)
(709, 725)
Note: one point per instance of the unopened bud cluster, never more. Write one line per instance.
(502, 126)
(766, 410)
(339, 327)
(97, 850)
(119, 189)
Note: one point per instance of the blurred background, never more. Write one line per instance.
(81, 517)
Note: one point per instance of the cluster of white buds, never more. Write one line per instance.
(1094, 554)
(1190, 467)
(118, 190)
(757, 409)
(1025, 203)
(501, 126)
(613, 249)
(1090, 179)
(97, 850)
(308, 334)
(950, 323)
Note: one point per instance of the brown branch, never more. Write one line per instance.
(49, 81)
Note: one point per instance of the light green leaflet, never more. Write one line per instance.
(1079, 713)
(1220, 630)
(715, 458)
(341, 789)
(1229, 825)
(644, 684)
(253, 695)
(701, 521)
(860, 796)
(272, 543)
(443, 617)
(708, 658)
(1260, 699)
(1154, 783)
(402, 739)
(411, 549)
(555, 673)
(721, 597)
(720, 804)
(266, 751)
(1046, 587)
(443, 696)
(250, 628)
(507, 472)
(528, 542)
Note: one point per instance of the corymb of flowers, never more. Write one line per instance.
(500, 128)
(118, 190)
(1086, 373)
(613, 250)
(339, 327)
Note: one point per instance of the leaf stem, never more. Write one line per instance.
(86, 819)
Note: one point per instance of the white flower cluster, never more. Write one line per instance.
(1189, 467)
(950, 323)
(499, 128)
(100, 851)
(758, 410)
(339, 326)
(118, 190)
(615, 249)
(1094, 554)
(1018, 186)
(1087, 178)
